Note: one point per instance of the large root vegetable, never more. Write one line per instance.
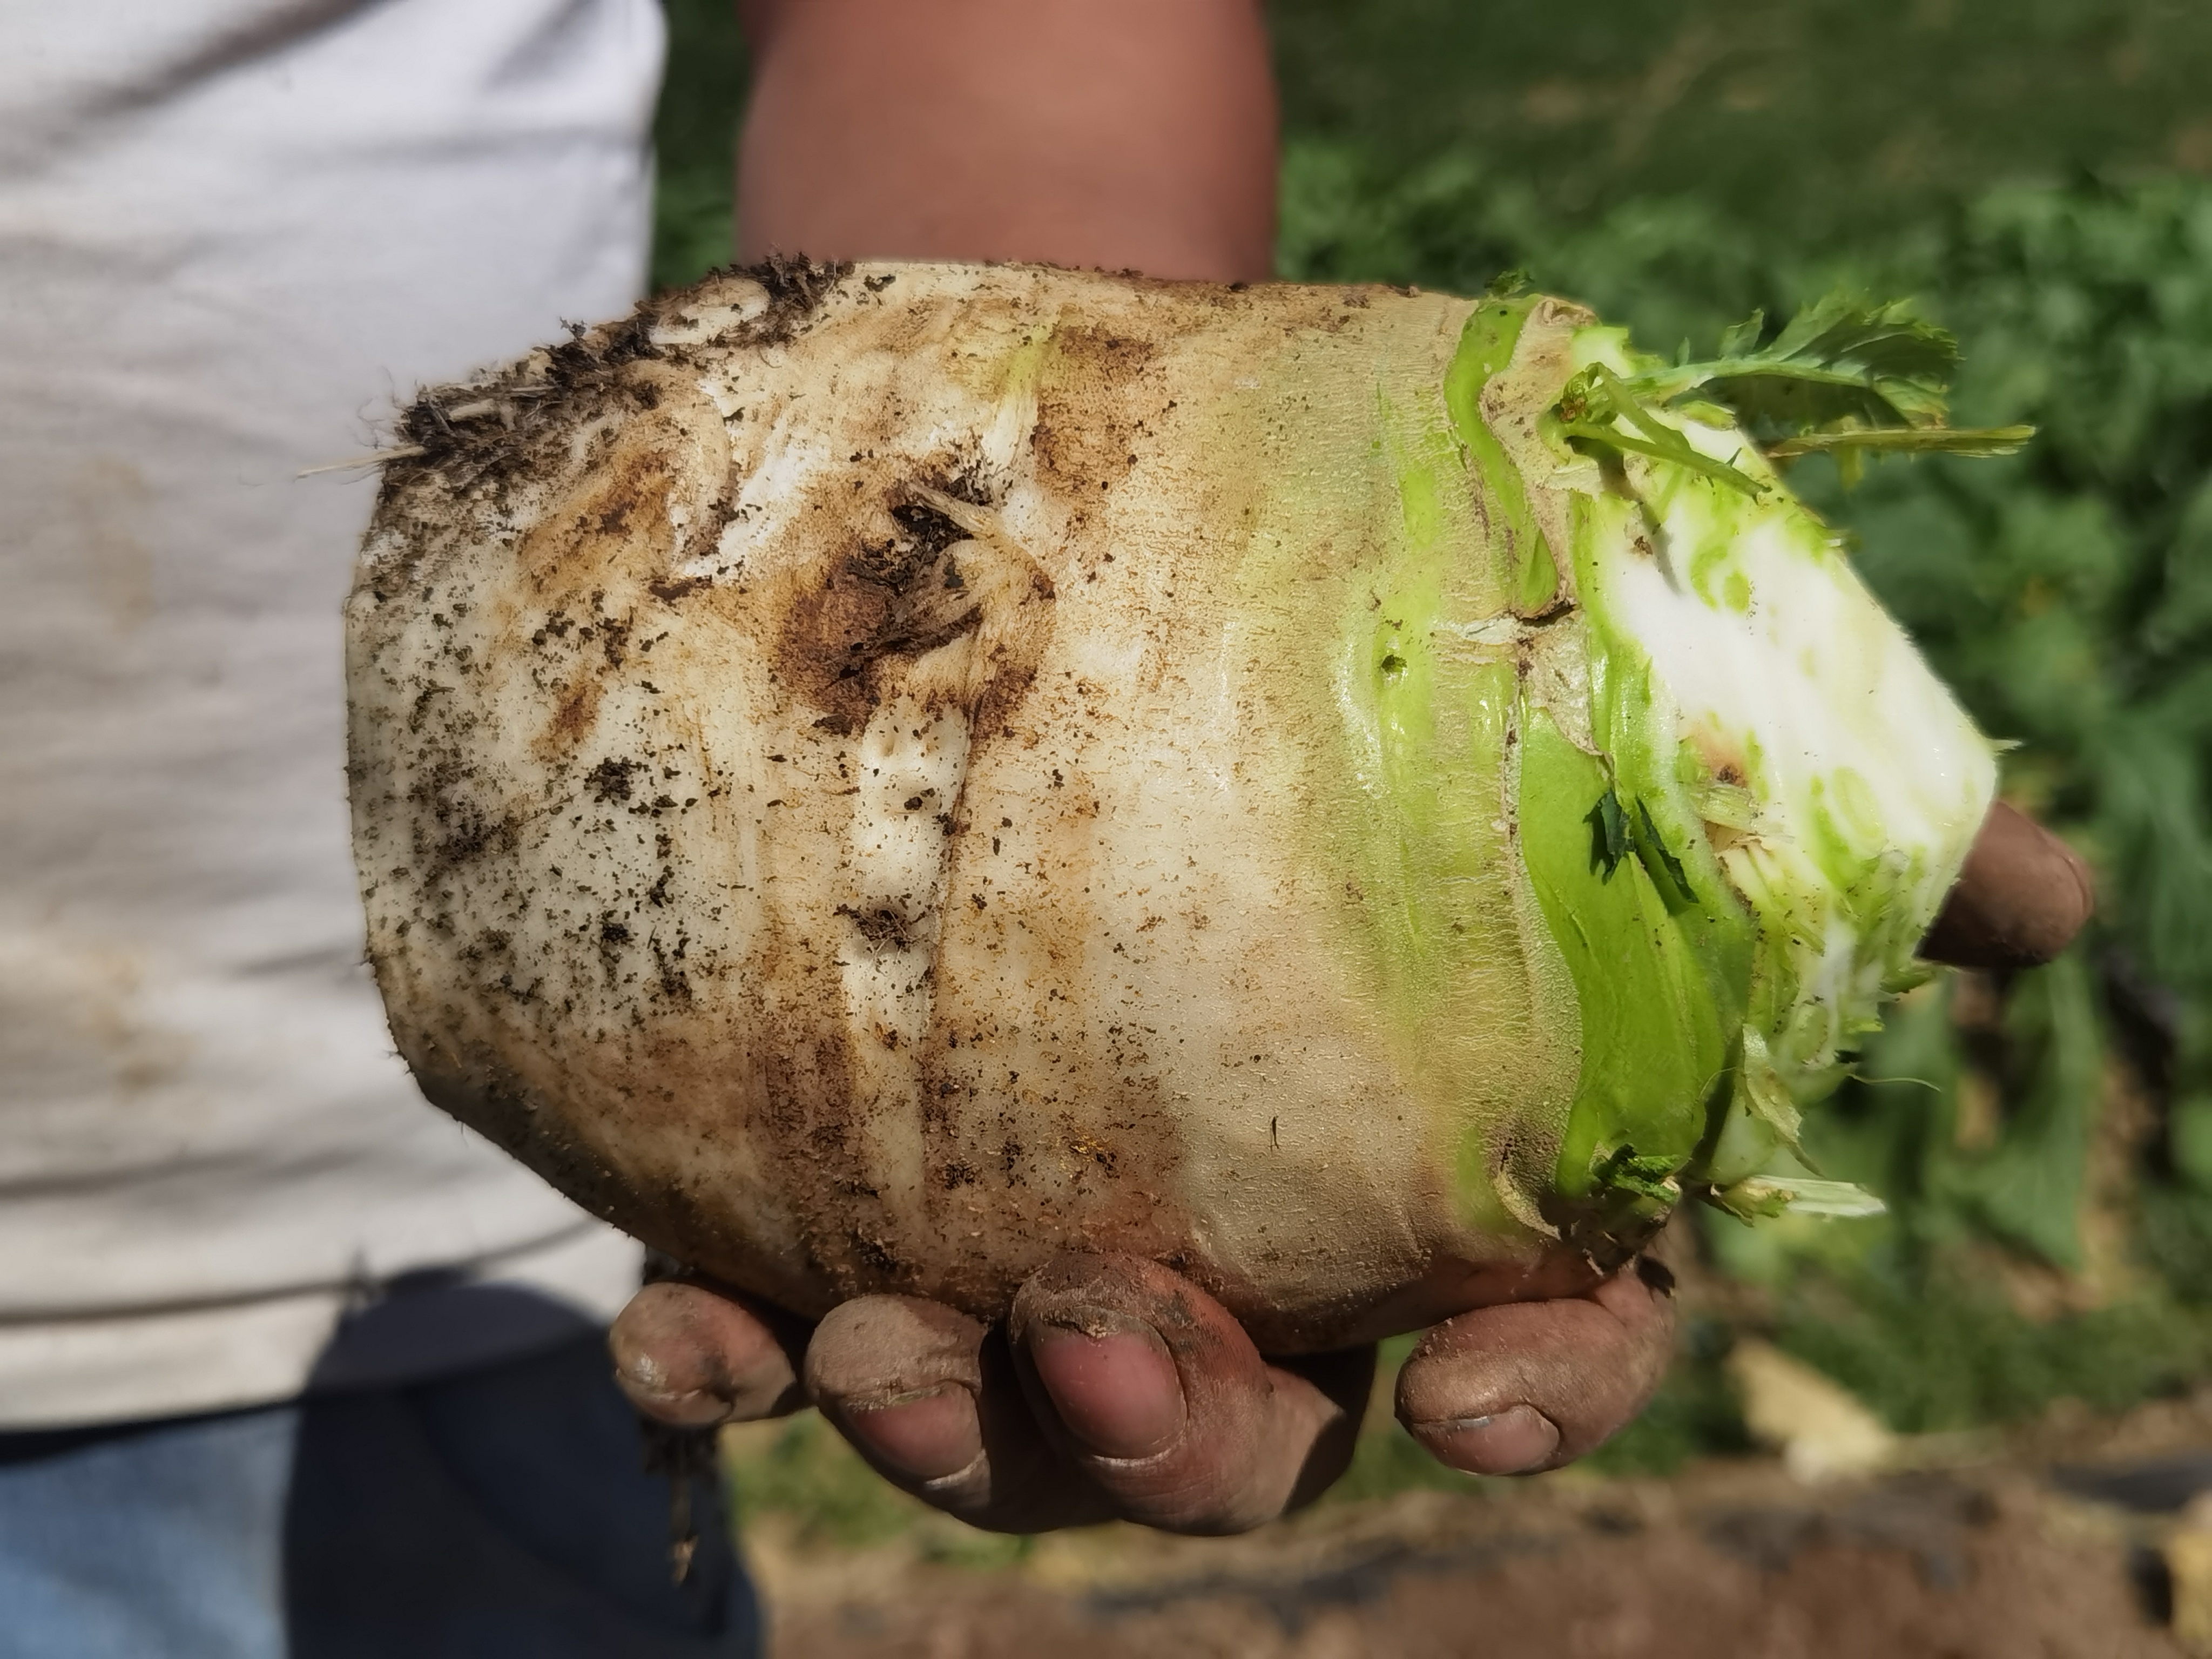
(868, 778)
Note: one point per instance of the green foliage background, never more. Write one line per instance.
(2034, 172)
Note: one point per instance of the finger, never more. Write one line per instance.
(692, 1355)
(1526, 1386)
(930, 1398)
(1157, 1396)
(2019, 899)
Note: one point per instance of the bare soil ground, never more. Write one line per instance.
(2048, 1546)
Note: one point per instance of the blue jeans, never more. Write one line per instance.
(501, 1514)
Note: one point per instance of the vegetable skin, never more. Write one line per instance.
(869, 778)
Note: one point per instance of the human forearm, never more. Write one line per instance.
(1127, 134)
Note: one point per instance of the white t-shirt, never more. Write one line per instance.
(232, 234)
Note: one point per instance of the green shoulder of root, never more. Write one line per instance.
(1741, 794)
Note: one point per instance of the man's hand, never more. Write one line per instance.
(1118, 1389)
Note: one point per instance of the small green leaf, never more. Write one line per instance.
(1614, 834)
(1662, 866)
(1842, 364)
(1625, 1170)
(1609, 839)
(1907, 441)
(1598, 407)
(1762, 1197)
(1847, 378)
(1755, 1200)
(1704, 414)
(1614, 437)
(1888, 341)
(1742, 339)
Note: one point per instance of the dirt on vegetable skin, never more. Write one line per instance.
(782, 826)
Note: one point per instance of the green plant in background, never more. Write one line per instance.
(694, 131)
(1816, 121)
(1682, 168)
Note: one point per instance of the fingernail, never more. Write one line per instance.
(696, 1410)
(654, 1391)
(639, 1371)
(1112, 1379)
(1515, 1441)
(927, 1434)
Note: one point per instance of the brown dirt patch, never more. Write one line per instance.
(1732, 1561)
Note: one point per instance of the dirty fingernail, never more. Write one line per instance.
(640, 1370)
(1111, 1379)
(667, 1385)
(928, 1434)
(1517, 1441)
(697, 1409)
